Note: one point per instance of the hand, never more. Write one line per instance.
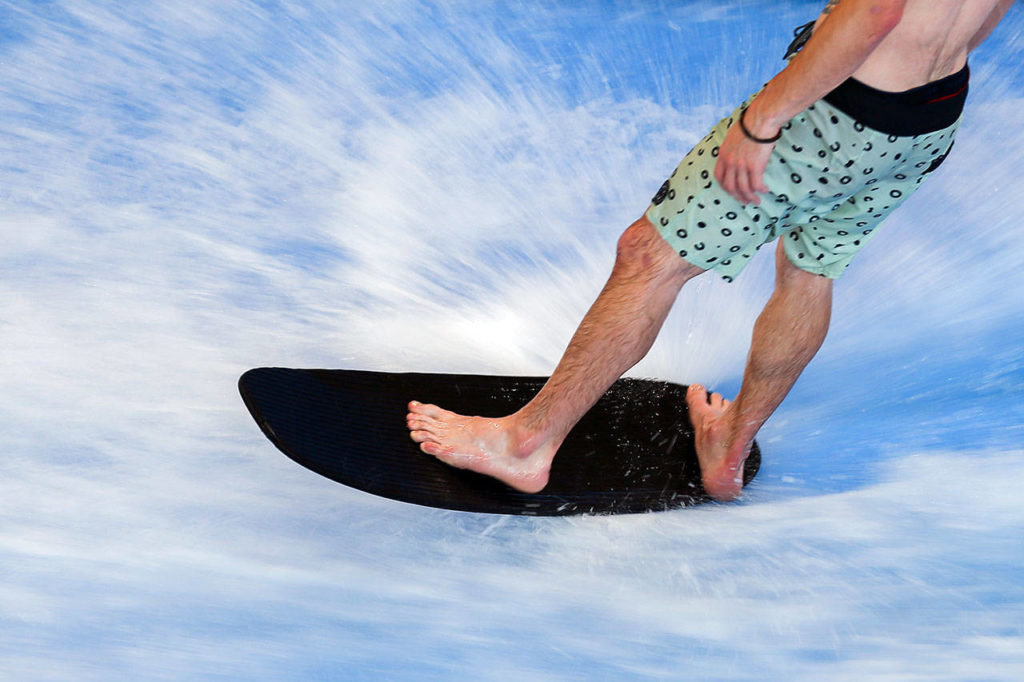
(741, 164)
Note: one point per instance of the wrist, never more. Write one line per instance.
(761, 120)
(759, 133)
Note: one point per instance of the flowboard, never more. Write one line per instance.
(632, 452)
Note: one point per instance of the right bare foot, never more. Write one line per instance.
(493, 447)
(721, 463)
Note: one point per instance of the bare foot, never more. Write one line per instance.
(494, 447)
(721, 463)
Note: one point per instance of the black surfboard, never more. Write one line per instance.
(632, 452)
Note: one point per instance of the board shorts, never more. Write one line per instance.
(839, 169)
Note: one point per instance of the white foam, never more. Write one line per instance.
(190, 191)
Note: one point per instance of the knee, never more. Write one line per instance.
(789, 277)
(640, 246)
(642, 251)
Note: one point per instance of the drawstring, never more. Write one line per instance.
(801, 33)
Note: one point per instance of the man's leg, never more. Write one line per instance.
(788, 333)
(615, 334)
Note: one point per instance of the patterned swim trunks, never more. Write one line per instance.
(839, 169)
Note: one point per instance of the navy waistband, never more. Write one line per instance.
(924, 109)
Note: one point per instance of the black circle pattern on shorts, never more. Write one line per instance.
(832, 180)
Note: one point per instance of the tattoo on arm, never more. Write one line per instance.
(830, 6)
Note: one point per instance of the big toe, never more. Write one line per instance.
(426, 410)
(696, 397)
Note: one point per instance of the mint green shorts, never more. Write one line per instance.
(831, 181)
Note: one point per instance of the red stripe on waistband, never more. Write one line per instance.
(942, 99)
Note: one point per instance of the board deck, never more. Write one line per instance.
(632, 452)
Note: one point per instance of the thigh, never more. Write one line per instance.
(858, 190)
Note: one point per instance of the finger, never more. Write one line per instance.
(743, 192)
(752, 195)
(755, 185)
(720, 170)
(729, 181)
(760, 185)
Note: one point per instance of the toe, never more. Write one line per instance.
(422, 436)
(419, 422)
(442, 452)
(432, 411)
(696, 397)
(430, 448)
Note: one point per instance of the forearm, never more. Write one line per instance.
(840, 44)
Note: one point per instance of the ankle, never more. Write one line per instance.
(732, 435)
(738, 424)
(523, 435)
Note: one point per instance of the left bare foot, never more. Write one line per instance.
(495, 447)
(721, 462)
